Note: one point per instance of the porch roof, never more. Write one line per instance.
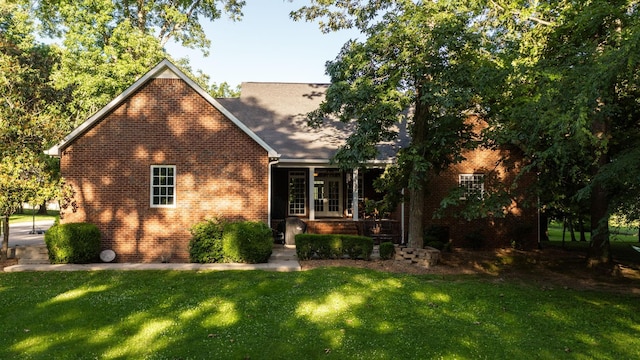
(276, 112)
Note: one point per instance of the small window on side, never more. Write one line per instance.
(163, 186)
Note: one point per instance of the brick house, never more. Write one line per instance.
(165, 155)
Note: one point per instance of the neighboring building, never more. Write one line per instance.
(165, 155)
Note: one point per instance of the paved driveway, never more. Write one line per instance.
(19, 234)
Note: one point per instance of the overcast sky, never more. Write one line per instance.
(266, 45)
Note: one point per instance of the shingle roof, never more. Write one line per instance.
(277, 113)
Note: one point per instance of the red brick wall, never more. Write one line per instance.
(220, 171)
(519, 220)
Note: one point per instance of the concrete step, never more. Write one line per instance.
(31, 251)
(32, 254)
(23, 261)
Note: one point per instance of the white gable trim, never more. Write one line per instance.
(164, 70)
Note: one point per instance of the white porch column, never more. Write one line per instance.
(312, 207)
(354, 203)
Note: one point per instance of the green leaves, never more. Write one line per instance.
(108, 45)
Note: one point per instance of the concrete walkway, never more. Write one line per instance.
(282, 259)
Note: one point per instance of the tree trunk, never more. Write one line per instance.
(581, 226)
(418, 189)
(43, 209)
(416, 212)
(599, 248)
(5, 238)
(571, 229)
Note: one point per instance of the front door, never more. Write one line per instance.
(327, 190)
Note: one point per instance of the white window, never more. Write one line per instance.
(297, 193)
(473, 185)
(163, 186)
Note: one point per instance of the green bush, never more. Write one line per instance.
(329, 247)
(205, 245)
(333, 246)
(387, 250)
(357, 247)
(73, 243)
(247, 242)
(304, 246)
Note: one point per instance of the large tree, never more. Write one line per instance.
(572, 104)
(427, 57)
(108, 44)
(29, 115)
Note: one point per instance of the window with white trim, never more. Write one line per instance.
(163, 186)
(297, 193)
(473, 185)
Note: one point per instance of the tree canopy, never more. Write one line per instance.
(108, 44)
(425, 57)
(558, 80)
(571, 104)
(29, 115)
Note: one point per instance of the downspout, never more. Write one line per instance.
(272, 161)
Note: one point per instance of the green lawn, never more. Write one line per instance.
(619, 233)
(27, 216)
(337, 313)
(622, 240)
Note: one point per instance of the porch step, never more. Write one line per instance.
(332, 227)
(32, 254)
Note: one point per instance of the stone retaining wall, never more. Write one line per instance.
(426, 257)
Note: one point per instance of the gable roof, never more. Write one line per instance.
(164, 69)
(277, 112)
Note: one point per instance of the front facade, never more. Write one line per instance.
(164, 155)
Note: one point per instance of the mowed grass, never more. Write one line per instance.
(334, 313)
(622, 240)
(28, 216)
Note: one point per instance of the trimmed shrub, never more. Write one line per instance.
(205, 245)
(304, 246)
(73, 243)
(247, 242)
(387, 250)
(333, 246)
(357, 247)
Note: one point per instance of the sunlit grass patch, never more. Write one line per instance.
(339, 313)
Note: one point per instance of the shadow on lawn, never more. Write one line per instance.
(337, 313)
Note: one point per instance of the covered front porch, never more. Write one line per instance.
(331, 201)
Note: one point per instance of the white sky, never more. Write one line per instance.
(266, 45)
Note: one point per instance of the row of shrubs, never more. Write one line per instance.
(212, 241)
(333, 246)
(218, 241)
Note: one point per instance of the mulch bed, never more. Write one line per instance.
(547, 268)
